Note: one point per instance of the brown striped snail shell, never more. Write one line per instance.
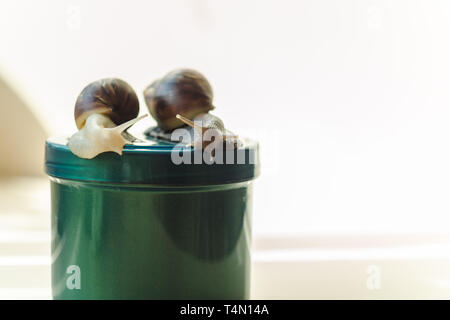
(111, 97)
(182, 91)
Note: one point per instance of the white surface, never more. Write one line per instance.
(349, 98)
(363, 267)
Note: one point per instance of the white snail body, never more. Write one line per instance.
(99, 135)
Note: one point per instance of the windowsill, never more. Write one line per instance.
(305, 266)
(406, 267)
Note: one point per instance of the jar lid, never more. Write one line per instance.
(151, 161)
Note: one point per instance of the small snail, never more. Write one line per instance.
(103, 111)
(207, 122)
(182, 91)
(184, 97)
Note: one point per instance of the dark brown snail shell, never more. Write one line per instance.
(182, 91)
(112, 97)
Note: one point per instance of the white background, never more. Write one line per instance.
(349, 99)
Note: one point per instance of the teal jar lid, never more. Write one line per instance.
(150, 162)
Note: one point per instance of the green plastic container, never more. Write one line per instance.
(138, 226)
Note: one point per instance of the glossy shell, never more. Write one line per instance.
(112, 97)
(183, 91)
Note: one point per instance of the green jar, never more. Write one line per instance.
(139, 226)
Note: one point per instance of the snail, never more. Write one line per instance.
(103, 111)
(182, 91)
(205, 122)
(184, 97)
